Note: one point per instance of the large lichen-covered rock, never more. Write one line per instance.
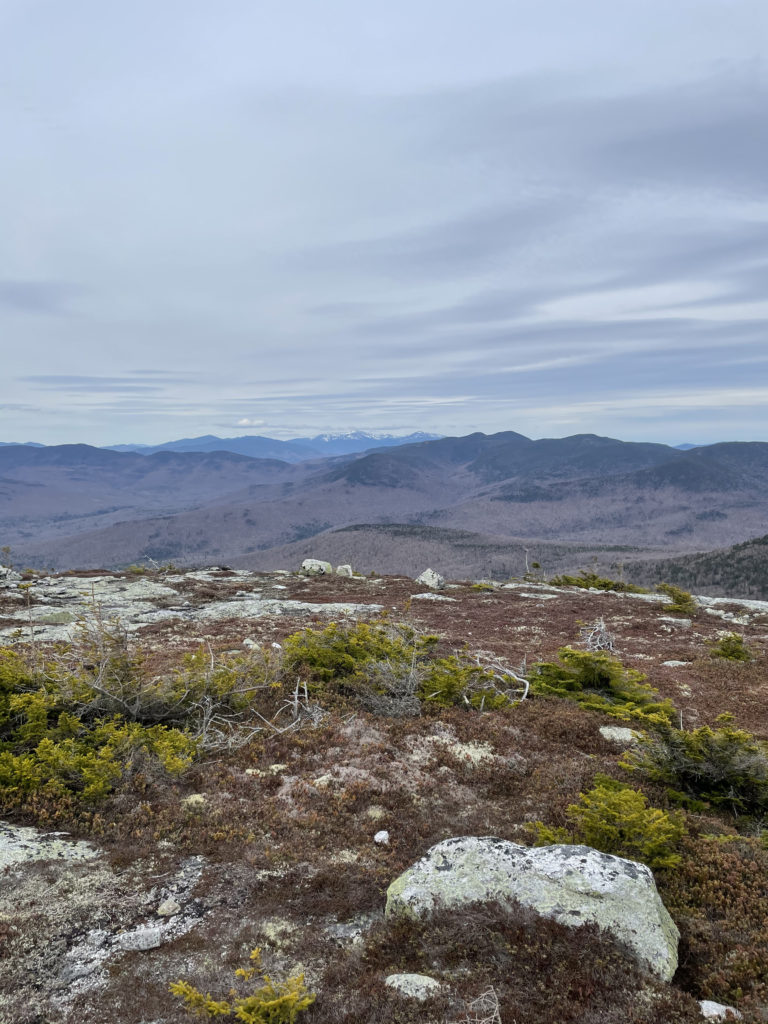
(316, 567)
(430, 578)
(572, 884)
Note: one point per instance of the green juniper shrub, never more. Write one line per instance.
(681, 602)
(269, 1003)
(731, 647)
(722, 768)
(90, 718)
(385, 666)
(51, 747)
(451, 681)
(616, 819)
(599, 682)
(338, 654)
(587, 580)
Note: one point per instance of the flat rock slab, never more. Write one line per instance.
(254, 609)
(61, 604)
(571, 884)
(20, 844)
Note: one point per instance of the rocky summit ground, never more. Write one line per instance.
(289, 842)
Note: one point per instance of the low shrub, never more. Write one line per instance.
(339, 654)
(89, 718)
(107, 676)
(616, 819)
(451, 681)
(591, 581)
(393, 669)
(681, 602)
(51, 747)
(270, 1003)
(731, 647)
(599, 682)
(541, 971)
(723, 767)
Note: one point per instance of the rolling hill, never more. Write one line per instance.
(577, 497)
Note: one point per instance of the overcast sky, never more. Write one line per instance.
(291, 216)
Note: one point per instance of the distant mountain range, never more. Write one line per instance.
(474, 504)
(298, 449)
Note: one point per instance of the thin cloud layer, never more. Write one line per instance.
(440, 219)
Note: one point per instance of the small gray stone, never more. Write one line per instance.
(675, 664)
(717, 1011)
(168, 908)
(416, 986)
(344, 570)
(140, 940)
(382, 838)
(618, 734)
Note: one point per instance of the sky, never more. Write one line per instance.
(286, 217)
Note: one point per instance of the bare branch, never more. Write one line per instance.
(517, 684)
(483, 1010)
(598, 637)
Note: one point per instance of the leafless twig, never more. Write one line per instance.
(512, 683)
(598, 637)
(483, 1010)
